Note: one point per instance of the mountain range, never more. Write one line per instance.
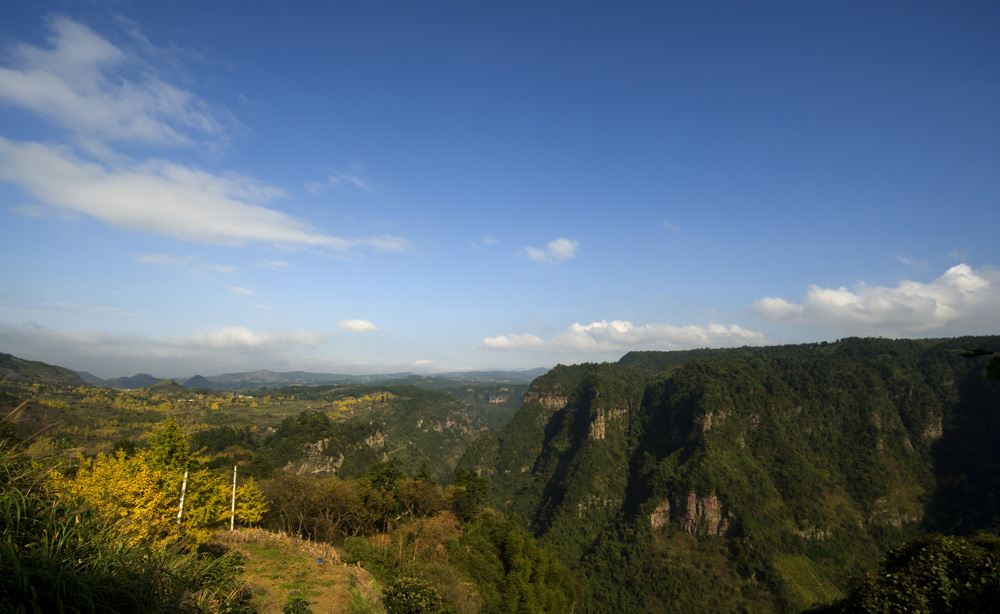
(253, 380)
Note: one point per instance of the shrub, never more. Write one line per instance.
(412, 596)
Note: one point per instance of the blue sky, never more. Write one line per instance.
(208, 187)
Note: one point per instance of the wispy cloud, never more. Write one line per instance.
(486, 241)
(921, 266)
(961, 301)
(189, 263)
(275, 264)
(79, 307)
(621, 336)
(167, 199)
(352, 176)
(98, 91)
(314, 187)
(103, 95)
(240, 290)
(670, 226)
(556, 252)
(358, 326)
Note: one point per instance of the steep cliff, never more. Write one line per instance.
(764, 476)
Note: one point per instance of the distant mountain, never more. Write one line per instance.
(166, 386)
(513, 377)
(137, 381)
(254, 380)
(197, 383)
(271, 379)
(92, 380)
(14, 368)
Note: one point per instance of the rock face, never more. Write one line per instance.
(603, 417)
(660, 516)
(315, 462)
(694, 515)
(705, 515)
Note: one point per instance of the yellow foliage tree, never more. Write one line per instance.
(142, 491)
(142, 498)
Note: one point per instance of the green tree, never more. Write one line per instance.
(170, 447)
(467, 494)
(385, 475)
(935, 573)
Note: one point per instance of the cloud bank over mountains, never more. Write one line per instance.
(961, 301)
(621, 336)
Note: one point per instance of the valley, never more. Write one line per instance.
(751, 479)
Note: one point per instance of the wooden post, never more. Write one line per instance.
(232, 512)
(180, 511)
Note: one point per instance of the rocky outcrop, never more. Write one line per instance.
(597, 425)
(934, 429)
(694, 515)
(316, 460)
(660, 516)
(601, 419)
(548, 401)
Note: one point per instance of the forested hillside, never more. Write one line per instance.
(759, 479)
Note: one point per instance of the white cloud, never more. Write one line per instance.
(103, 94)
(358, 326)
(777, 308)
(240, 290)
(167, 199)
(490, 240)
(514, 341)
(961, 301)
(96, 90)
(622, 336)
(556, 252)
(238, 337)
(670, 226)
(213, 351)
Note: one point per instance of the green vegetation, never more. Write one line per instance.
(931, 574)
(751, 479)
(60, 555)
(756, 479)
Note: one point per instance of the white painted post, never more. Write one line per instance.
(232, 514)
(180, 511)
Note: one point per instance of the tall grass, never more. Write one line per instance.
(62, 556)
